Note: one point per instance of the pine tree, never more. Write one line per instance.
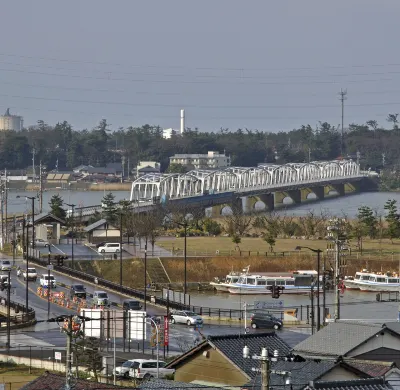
(392, 218)
(56, 206)
(368, 221)
(110, 210)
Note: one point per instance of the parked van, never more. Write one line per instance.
(109, 247)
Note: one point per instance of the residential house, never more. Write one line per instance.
(211, 160)
(310, 371)
(147, 167)
(101, 231)
(110, 171)
(218, 361)
(57, 382)
(60, 177)
(354, 340)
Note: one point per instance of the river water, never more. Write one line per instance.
(356, 305)
(337, 206)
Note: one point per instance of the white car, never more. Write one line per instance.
(146, 369)
(45, 281)
(5, 265)
(109, 247)
(30, 275)
(123, 371)
(185, 317)
(100, 298)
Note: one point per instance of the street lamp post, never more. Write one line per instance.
(184, 225)
(318, 252)
(73, 232)
(145, 275)
(32, 198)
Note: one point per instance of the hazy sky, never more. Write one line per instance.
(270, 65)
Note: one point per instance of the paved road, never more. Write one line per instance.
(47, 335)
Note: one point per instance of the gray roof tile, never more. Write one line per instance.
(337, 339)
(160, 384)
(357, 384)
(301, 373)
(232, 347)
(95, 225)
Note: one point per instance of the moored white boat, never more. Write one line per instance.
(373, 281)
(232, 277)
(257, 284)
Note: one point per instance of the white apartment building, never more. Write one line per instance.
(213, 160)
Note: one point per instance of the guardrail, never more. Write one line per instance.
(21, 315)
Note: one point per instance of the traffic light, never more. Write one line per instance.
(275, 292)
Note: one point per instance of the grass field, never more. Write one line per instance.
(225, 244)
(16, 376)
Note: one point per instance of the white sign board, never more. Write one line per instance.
(50, 267)
(260, 305)
(137, 324)
(57, 356)
(93, 327)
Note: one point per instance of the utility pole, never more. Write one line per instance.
(2, 215)
(342, 98)
(5, 205)
(8, 311)
(264, 369)
(14, 240)
(40, 188)
(68, 358)
(33, 165)
(336, 233)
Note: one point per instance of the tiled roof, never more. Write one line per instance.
(160, 384)
(57, 382)
(232, 347)
(301, 373)
(357, 384)
(370, 367)
(95, 225)
(337, 339)
(47, 216)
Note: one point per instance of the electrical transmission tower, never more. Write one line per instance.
(342, 98)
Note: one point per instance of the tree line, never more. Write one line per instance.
(65, 147)
(236, 224)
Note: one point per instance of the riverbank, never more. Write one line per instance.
(205, 269)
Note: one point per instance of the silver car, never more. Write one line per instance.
(185, 317)
(39, 243)
(5, 265)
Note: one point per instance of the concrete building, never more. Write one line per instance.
(11, 122)
(168, 133)
(212, 159)
(145, 167)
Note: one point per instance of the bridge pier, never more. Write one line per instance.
(339, 188)
(216, 211)
(295, 195)
(319, 192)
(268, 200)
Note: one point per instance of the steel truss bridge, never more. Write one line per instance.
(242, 181)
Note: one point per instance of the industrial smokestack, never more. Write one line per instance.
(182, 121)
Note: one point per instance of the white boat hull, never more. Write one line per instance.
(351, 285)
(378, 288)
(264, 291)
